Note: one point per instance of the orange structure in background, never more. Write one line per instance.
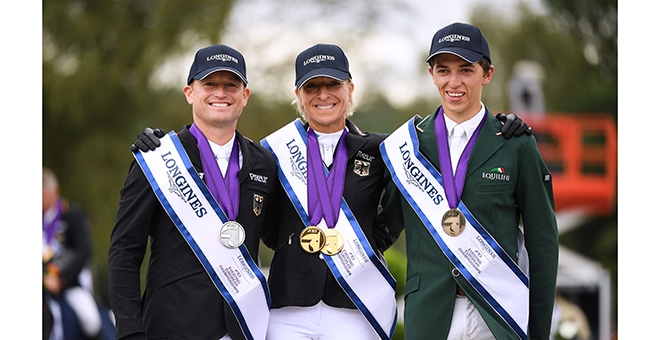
(581, 152)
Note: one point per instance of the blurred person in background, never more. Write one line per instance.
(67, 279)
(569, 322)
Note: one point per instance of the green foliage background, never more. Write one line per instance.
(100, 57)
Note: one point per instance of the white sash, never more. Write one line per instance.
(357, 268)
(485, 265)
(198, 217)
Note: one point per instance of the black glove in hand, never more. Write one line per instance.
(380, 235)
(148, 139)
(513, 125)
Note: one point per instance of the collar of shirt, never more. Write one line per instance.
(469, 125)
(327, 144)
(223, 152)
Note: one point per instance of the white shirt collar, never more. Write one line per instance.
(222, 154)
(469, 125)
(223, 151)
(327, 144)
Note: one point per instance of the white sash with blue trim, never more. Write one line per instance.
(357, 268)
(485, 265)
(198, 217)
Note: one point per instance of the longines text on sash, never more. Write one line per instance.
(417, 174)
(182, 183)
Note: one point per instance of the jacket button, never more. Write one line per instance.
(455, 272)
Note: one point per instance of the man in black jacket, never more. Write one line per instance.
(185, 294)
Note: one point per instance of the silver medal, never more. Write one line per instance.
(232, 234)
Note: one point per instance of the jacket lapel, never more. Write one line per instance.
(354, 142)
(190, 145)
(427, 143)
(248, 159)
(487, 143)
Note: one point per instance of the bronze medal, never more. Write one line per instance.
(453, 222)
(232, 234)
(312, 239)
(334, 242)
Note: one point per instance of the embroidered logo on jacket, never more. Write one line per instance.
(362, 166)
(497, 174)
(259, 178)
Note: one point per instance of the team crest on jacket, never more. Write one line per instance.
(361, 167)
(257, 204)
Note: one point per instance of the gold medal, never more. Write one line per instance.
(312, 239)
(334, 242)
(232, 234)
(453, 222)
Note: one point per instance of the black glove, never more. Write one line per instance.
(147, 140)
(380, 235)
(513, 125)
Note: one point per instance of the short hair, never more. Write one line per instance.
(49, 179)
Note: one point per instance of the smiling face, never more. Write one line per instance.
(217, 101)
(459, 83)
(326, 103)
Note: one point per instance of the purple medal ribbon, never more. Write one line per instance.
(223, 188)
(321, 190)
(49, 226)
(453, 183)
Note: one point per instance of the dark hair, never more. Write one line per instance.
(483, 62)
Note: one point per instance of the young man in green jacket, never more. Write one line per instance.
(470, 278)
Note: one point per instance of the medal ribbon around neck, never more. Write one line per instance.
(321, 190)
(223, 188)
(48, 226)
(453, 183)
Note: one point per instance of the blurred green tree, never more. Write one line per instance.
(577, 78)
(594, 23)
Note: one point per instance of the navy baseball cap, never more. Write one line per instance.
(321, 60)
(463, 40)
(217, 58)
